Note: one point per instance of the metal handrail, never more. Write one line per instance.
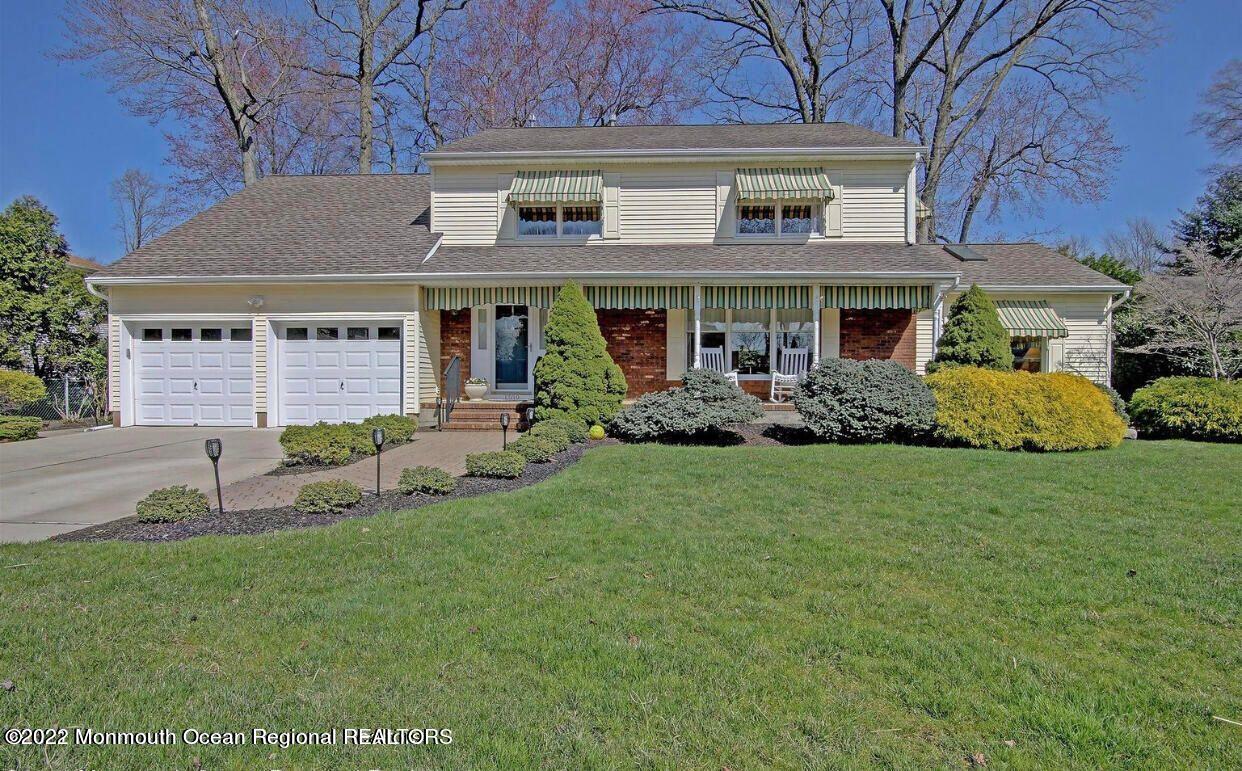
(452, 390)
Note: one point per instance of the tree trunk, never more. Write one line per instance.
(366, 124)
(245, 142)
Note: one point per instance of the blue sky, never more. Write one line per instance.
(64, 138)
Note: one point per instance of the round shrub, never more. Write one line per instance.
(1189, 408)
(327, 444)
(553, 432)
(398, 429)
(14, 428)
(843, 400)
(576, 376)
(535, 449)
(17, 389)
(330, 497)
(1022, 410)
(574, 428)
(1119, 404)
(597, 432)
(495, 465)
(428, 480)
(172, 504)
(707, 404)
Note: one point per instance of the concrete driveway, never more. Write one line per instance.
(69, 480)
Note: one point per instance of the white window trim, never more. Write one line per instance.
(694, 326)
(817, 208)
(560, 222)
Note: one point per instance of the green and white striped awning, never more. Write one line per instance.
(1030, 318)
(770, 184)
(557, 187)
(611, 297)
(876, 297)
(741, 297)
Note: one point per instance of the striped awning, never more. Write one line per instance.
(876, 297)
(1030, 318)
(770, 184)
(557, 187)
(741, 297)
(610, 297)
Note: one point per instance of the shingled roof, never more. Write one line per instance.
(355, 225)
(760, 137)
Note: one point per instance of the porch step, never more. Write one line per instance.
(778, 407)
(483, 416)
(481, 425)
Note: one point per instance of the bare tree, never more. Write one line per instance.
(1195, 319)
(144, 208)
(360, 39)
(786, 58)
(173, 57)
(1221, 119)
(1140, 244)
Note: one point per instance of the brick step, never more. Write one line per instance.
(479, 425)
(778, 407)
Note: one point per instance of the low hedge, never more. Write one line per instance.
(427, 480)
(14, 428)
(335, 444)
(329, 497)
(1189, 408)
(172, 504)
(398, 429)
(535, 449)
(17, 389)
(495, 465)
(574, 428)
(552, 432)
(706, 404)
(843, 400)
(1022, 411)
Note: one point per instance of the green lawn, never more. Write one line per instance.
(680, 607)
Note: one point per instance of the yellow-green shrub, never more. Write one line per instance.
(1022, 411)
(1189, 408)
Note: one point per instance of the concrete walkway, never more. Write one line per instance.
(446, 450)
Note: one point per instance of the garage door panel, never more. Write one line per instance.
(340, 379)
(180, 360)
(327, 359)
(388, 386)
(194, 382)
(211, 387)
(388, 358)
(358, 359)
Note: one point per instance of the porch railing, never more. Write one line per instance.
(452, 391)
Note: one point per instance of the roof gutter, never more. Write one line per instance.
(547, 276)
(1052, 288)
(553, 156)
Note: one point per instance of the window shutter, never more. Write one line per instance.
(832, 213)
(506, 217)
(612, 205)
(724, 206)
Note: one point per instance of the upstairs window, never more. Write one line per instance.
(559, 221)
(772, 219)
(754, 220)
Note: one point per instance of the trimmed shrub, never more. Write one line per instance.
(552, 432)
(17, 389)
(428, 480)
(574, 428)
(973, 336)
(495, 465)
(172, 504)
(1189, 408)
(842, 400)
(576, 376)
(1022, 410)
(398, 429)
(330, 497)
(597, 432)
(14, 428)
(327, 444)
(1119, 404)
(707, 404)
(535, 449)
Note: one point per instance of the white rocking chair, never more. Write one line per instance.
(713, 358)
(793, 368)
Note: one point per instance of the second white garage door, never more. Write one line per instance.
(338, 371)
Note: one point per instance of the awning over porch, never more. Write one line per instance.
(916, 297)
(1030, 318)
(911, 297)
(777, 184)
(569, 186)
(601, 297)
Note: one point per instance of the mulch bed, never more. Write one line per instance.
(253, 521)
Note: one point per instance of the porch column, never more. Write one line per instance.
(698, 326)
(938, 317)
(815, 314)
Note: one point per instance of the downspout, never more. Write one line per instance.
(1113, 304)
(91, 288)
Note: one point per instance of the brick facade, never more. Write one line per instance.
(455, 341)
(879, 334)
(637, 342)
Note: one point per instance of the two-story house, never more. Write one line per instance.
(337, 297)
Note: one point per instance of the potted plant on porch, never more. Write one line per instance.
(476, 389)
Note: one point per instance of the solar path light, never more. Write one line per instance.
(504, 430)
(214, 448)
(377, 438)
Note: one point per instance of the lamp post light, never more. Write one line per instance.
(214, 448)
(504, 430)
(377, 438)
(530, 417)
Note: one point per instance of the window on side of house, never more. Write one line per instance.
(773, 219)
(581, 221)
(798, 219)
(756, 219)
(537, 221)
(560, 221)
(1028, 353)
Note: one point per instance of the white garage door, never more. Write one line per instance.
(194, 375)
(339, 371)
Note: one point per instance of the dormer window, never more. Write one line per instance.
(781, 202)
(554, 221)
(537, 220)
(771, 219)
(558, 204)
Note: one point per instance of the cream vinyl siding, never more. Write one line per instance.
(464, 206)
(259, 327)
(667, 206)
(412, 346)
(114, 363)
(923, 340)
(873, 201)
(428, 356)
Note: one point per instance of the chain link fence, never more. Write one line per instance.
(70, 400)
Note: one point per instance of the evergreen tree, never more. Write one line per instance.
(973, 336)
(1215, 221)
(576, 377)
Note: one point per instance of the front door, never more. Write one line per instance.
(512, 347)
